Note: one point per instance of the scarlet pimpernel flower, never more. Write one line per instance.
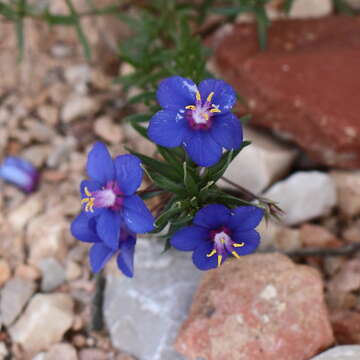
(218, 233)
(84, 228)
(109, 196)
(20, 172)
(198, 118)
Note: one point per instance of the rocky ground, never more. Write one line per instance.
(305, 156)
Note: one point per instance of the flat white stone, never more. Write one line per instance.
(259, 164)
(304, 196)
(143, 314)
(344, 352)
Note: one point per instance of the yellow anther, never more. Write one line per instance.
(210, 96)
(219, 260)
(215, 109)
(87, 192)
(213, 252)
(236, 254)
(222, 240)
(190, 107)
(238, 245)
(89, 201)
(198, 96)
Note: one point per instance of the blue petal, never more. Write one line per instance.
(83, 229)
(226, 130)
(100, 166)
(245, 218)
(189, 238)
(129, 173)
(202, 149)
(99, 255)
(224, 95)
(91, 185)
(212, 216)
(200, 258)
(176, 92)
(125, 259)
(168, 128)
(108, 228)
(137, 216)
(13, 171)
(250, 238)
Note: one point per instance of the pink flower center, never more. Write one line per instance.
(223, 244)
(199, 116)
(109, 196)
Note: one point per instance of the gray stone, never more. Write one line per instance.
(53, 274)
(305, 9)
(304, 196)
(44, 322)
(344, 352)
(14, 296)
(79, 106)
(143, 314)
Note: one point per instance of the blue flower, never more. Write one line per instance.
(198, 118)
(84, 228)
(20, 172)
(218, 233)
(109, 195)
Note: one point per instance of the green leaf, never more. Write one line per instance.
(142, 97)
(137, 118)
(163, 182)
(167, 215)
(189, 181)
(140, 129)
(79, 30)
(262, 25)
(158, 166)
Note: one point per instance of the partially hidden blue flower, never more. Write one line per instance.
(20, 172)
(198, 118)
(109, 195)
(218, 233)
(84, 229)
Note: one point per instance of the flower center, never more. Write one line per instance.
(199, 115)
(109, 196)
(223, 244)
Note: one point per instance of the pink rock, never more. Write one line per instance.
(262, 307)
(304, 85)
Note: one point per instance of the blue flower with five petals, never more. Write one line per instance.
(198, 118)
(218, 233)
(109, 196)
(84, 228)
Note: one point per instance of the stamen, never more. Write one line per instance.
(190, 107)
(210, 96)
(213, 252)
(222, 240)
(219, 260)
(215, 109)
(238, 245)
(198, 96)
(89, 201)
(236, 254)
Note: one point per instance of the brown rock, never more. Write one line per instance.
(321, 116)
(346, 326)
(263, 307)
(347, 279)
(5, 271)
(92, 354)
(317, 236)
(348, 190)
